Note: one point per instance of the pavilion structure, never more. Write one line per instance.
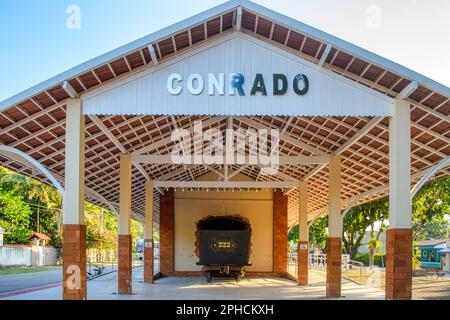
(351, 127)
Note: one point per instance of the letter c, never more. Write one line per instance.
(174, 90)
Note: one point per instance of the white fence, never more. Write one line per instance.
(28, 256)
(319, 262)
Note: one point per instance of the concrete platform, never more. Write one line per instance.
(196, 288)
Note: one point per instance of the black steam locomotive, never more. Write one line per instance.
(223, 246)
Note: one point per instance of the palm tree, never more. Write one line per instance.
(33, 190)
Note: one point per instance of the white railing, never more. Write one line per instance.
(319, 262)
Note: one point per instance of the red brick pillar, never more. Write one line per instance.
(74, 262)
(399, 264)
(148, 260)
(280, 232)
(166, 229)
(334, 257)
(125, 264)
(302, 263)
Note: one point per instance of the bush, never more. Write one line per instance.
(379, 259)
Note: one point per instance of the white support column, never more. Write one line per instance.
(302, 257)
(74, 230)
(148, 227)
(303, 211)
(400, 166)
(125, 195)
(125, 263)
(334, 242)
(334, 218)
(74, 174)
(148, 233)
(399, 235)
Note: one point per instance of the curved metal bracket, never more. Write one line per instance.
(21, 156)
(414, 190)
(428, 176)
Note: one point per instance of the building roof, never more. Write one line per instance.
(431, 243)
(40, 236)
(34, 120)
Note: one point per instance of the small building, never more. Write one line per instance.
(38, 243)
(39, 239)
(434, 254)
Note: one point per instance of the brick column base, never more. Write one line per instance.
(280, 232)
(148, 260)
(302, 263)
(74, 262)
(125, 266)
(167, 232)
(334, 257)
(399, 264)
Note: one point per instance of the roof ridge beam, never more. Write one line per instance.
(226, 184)
(283, 160)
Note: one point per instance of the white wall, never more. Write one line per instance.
(26, 256)
(191, 207)
(15, 256)
(146, 92)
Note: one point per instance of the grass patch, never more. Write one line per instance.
(20, 270)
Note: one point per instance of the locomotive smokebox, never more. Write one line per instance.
(223, 245)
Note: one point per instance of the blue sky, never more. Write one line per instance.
(36, 44)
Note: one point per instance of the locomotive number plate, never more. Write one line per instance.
(221, 245)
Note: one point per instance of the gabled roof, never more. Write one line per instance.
(40, 236)
(227, 11)
(34, 120)
(431, 243)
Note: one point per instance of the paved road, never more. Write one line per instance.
(15, 282)
(22, 281)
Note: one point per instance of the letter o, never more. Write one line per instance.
(174, 90)
(301, 78)
(200, 84)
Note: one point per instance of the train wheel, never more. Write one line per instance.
(238, 276)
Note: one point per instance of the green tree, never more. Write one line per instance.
(14, 218)
(44, 201)
(293, 234)
(318, 233)
(379, 213)
(358, 220)
(430, 205)
(436, 228)
(137, 232)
